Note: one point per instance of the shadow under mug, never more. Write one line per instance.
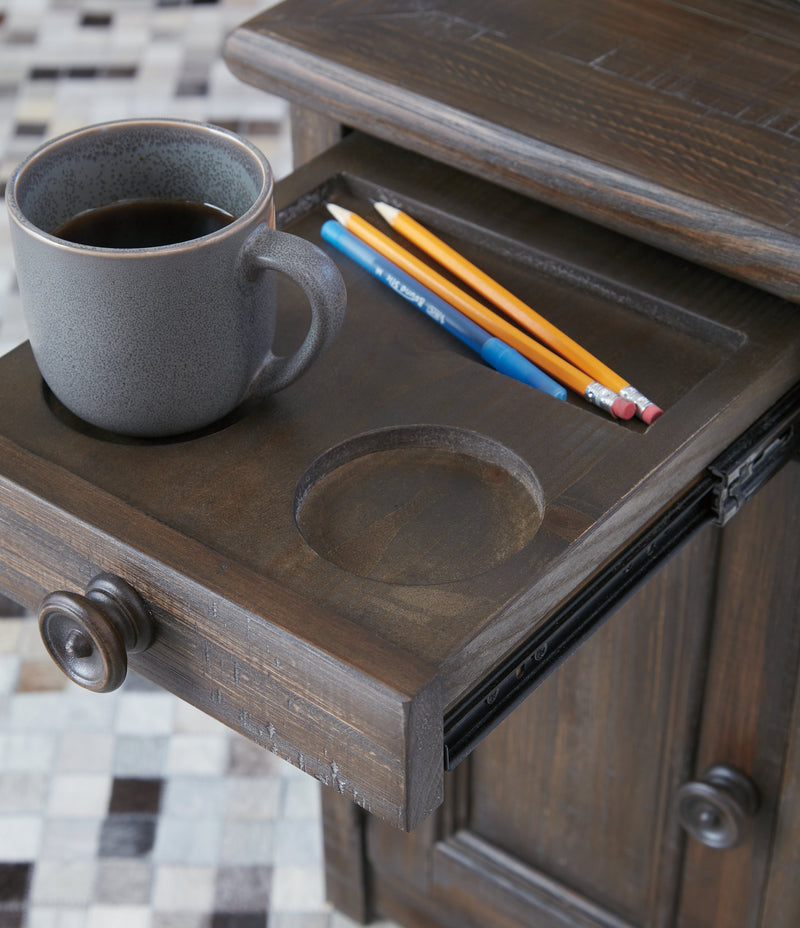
(163, 340)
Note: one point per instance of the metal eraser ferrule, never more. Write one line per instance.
(601, 396)
(639, 399)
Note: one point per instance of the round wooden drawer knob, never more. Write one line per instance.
(718, 809)
(90, 636)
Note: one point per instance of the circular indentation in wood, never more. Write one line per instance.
(418, 505)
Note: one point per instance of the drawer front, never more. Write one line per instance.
(231, 645)
(334, 571)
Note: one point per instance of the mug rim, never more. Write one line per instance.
(267, 182)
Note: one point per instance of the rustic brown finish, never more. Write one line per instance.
(332, 571)
(677, 123)
(311, 134)
(345, 856)
(719, 808)
(264, 662)
(781, 904)
(569, 817)
(753, 672)
(90, 636)
(341, 642)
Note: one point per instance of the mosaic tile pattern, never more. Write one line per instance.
(133, 810)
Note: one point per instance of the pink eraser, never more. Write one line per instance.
(651, 412)
(623, 409)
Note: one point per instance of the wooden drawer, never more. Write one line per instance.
(333, 572)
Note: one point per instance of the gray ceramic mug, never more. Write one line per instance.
(161, 339)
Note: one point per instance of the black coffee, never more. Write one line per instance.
(143, 223)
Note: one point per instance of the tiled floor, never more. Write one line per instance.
(132, 810)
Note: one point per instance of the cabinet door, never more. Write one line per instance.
(566, 814)
(574, 795)
(563, 815)
(751, 719)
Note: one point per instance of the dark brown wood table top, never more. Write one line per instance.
(340, 565)
(677, 123)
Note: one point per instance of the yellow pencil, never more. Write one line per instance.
(515, 309)
(551, 363)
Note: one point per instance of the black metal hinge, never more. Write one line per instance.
(727, 484)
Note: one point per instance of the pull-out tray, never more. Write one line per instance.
(331, 571)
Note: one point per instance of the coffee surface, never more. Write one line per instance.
(143, 224)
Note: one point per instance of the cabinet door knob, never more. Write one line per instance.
(718, 809)
(90, 636)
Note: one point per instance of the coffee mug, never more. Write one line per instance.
(145, 252)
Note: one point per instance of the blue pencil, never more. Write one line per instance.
(494, 351)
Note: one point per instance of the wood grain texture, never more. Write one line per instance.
(346, 876)
(341, 642)
(606, 109)
(781, 899)
(611, 741)
(266, 664)
(748, 714)
(312, 134)
(570, 818)
(564, 817)
(486, 886)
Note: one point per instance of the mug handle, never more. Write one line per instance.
(320, 280)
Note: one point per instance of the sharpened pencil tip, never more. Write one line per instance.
(389, 213)
(339, 213)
